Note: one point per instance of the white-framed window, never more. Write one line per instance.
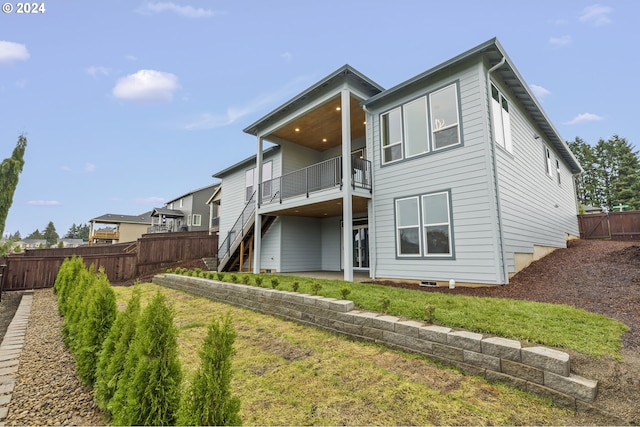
(249, 182)
(444, 117)
(415, 127)
(182, 202)
(548, 161)
(428, 123)
(408, 227)
(437, 224)
(558, 172)
(501, 120)
(392, 136)
(251, 178)
(423, 225)
(197, 220)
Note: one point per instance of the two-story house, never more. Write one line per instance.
(188, 212)
(456, 173)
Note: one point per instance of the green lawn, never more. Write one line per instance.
(288, 374)
(553, 325)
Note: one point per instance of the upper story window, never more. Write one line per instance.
(548, 161)
(444, 117)
(251, 178)
(501, 120)
(428, 123)
(197, 220)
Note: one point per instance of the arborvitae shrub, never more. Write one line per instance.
(114, 352)
(208, 399)
(245, 279)
(94, 326)
(275, 283)
(220, 276)
(66, 280)
(258, 280)
(152, 376)
(76, 308)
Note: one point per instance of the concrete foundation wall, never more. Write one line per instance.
(538, 370)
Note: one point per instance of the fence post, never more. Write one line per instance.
(2, 267)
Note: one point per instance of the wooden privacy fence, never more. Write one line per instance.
(36, 269)
(610, 225)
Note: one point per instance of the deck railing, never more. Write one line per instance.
(320, 176)
(238, 227)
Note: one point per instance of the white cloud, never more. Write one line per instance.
(131, 57)
(585, 117)
(44, 203)
(11, 52)
(596, 15)
(233, 114)
(95, 71)
(560, 41)
(147, 86)
(186, 11)
(287, 56)
(65, 168)
(90, 167)
(153, 200)
(539, 91)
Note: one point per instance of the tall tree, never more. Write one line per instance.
(612, 173)
(50, 234)
(36, 235)
(10, 170)
(78, 232)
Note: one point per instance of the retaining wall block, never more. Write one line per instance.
(483, 360)
(384, 322)
(547, 359)
(372, 333)
(409, 328)
(502, 347)
(559, 399)
(520, 370)
(362, 317)
(311, 299)
(394, 338)
(465, 340)
(573, 385)
(419, 345)
(518, 383)
(435, 333)
(448, 352)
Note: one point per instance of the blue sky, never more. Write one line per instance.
(127, 104)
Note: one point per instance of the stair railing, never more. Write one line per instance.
(236, 231)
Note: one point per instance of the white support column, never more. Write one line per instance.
(347, 208)
(257, 235)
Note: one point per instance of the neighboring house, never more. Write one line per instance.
(189, 212)
(29, 244)
(70, 243)
(214, 210)
(456, 173)
(116, 228)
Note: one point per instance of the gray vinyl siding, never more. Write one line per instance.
(331, 244)
(536, 210)
(233, 193)
(463, 171)
(271, 247)
(301, 244)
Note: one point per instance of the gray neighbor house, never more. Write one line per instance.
(454, 174)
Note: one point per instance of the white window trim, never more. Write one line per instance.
(445, 127)
(548, 162)
(398, 227)
(197, 220)
(423, 254)
(448, 224)
(502, 135)
(399, 142)
(428, 123)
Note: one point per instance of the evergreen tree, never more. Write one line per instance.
(208, 400)
(78, 232)
(36, 235)
(10, 170)
(94, 327)
(149, 390)
(113, 356)
(50, 234)
(611, 173)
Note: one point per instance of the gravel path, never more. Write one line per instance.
(47, 391)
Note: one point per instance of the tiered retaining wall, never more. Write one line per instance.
(536, 369)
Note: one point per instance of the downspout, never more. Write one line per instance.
(505, 271)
